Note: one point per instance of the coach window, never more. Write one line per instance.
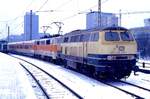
(42, 42)
(31, 46)
(72, 39)
(21, 46)
(26, 46)
(18, 46)
(77, 38)
(60, 40)
(53, 41)
(86, 37)
(81, 38)
(37, 42)
(56, 40)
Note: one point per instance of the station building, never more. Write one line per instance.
(142, 36)
(107, 20)
(31, 24)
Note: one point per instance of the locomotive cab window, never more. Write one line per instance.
(66, 39)
(37, 42)
(112, 36)
(47, 42)
(94, 36)
(126, 36)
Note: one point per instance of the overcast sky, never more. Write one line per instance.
(12, 12)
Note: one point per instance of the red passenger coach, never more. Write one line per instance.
(43, 48)
(25, 47)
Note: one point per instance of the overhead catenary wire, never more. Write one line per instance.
(43, 5)
(56, 9)
(14, 19)
(82, 12)
(75, 14)
(129, 13)
(63, 4)
(53, 10)
(60, 6)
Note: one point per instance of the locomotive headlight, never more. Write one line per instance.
(131, 57)
(110, 57)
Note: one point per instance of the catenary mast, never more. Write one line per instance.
(99, 13)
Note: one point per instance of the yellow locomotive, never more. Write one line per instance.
(109, 52)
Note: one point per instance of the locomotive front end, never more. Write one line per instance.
(119, 48)
(116, 55)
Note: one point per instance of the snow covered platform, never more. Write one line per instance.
(14, 83)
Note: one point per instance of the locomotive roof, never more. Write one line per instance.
(115, 28)
(82, 31)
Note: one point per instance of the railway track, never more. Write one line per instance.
(121, 86)
(51, 87)
(136, 96)
(37, 84)
(134, 85)
(136, 91)
(146, 80)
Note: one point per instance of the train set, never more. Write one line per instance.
(108, 53)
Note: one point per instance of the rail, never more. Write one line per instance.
(132, 94)
(72, 91)
(43, 90)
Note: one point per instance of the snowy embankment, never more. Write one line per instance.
(14, 84)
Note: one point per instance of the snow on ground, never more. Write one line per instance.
(14, 83)
(147, 60)
(85, 86)
(140, 79)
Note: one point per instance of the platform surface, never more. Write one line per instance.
(14, 83)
